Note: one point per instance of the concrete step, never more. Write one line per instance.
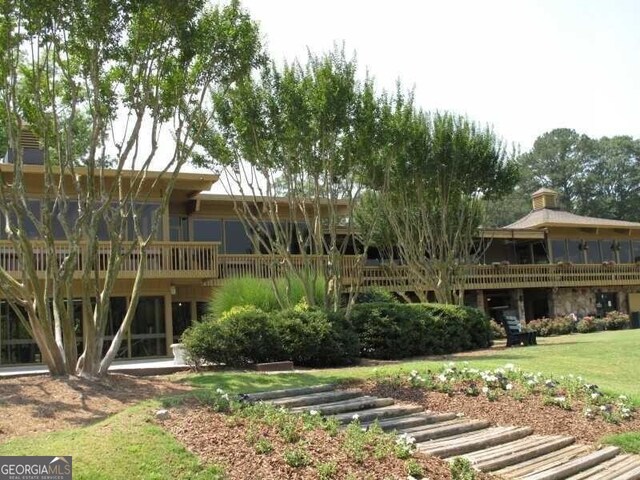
(415, 420)
(459, 445)
(382, 413)
(512, 453)
(347, 406)
(317, 398)
(446, 429)
(576, 465)
(611, 469)
(544, 462)
(289, 392)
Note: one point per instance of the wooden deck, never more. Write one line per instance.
(202, 261)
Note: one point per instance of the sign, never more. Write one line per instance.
(35, 468)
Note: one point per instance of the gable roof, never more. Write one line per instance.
(546, 217)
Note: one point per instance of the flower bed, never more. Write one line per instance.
(546, 327)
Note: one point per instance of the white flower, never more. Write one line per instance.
(460, 415)
(559, 399)
(595, 395)
(355, 416)
(219, 391)
(509, 386)
(442, 377)
(414, 373)
(510, 366)
(485, 389)
(623, 397)
(603, 407)
(531, 382)
(226, 396)
(314, 412)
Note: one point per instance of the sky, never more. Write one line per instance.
(523, 67)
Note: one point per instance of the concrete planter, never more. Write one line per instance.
(179, 354)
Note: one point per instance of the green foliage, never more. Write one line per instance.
(259, 293)
(461, 469)
(546, 327)
(497, 331)
(414, 469)
(241, 336)
(589, 325)
(326, 470)
(297, 457)
(393, 330)
(616, 321)
(629, 441)
(376, 295)
(246, 335)
(311, 338)
(263, 447)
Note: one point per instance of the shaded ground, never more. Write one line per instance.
(223, 440)
(43, 404)
(530, 411)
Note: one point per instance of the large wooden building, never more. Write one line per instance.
(548, 263)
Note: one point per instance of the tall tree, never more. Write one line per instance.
(130, 70)
(443, 166)
(307, 132)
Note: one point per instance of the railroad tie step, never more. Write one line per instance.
(317, 398)
(446, 429)
(415, 420)
(574, 466)
(372, 414)
(543, 462)
(458, 445)
(289, 392)
(513, 453)
(346, 406)
(611, 469)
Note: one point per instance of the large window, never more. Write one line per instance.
(147, 329)
(574, 250)
(178, 228)
(207, 230)
(624, 251)
(593, 251)
(607, 247)
(16, 345)
(559, 249)
(236, 239)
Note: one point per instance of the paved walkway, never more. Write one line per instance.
(155, 366)
(506, 451)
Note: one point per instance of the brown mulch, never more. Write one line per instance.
(223, 440)
(531, 412)
(41, 403)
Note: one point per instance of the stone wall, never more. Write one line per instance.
(582, 300)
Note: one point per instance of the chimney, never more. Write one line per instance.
(544, 198)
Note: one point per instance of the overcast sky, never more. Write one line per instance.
(524, 67)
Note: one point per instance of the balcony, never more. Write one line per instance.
(163, 259)
(202, 261)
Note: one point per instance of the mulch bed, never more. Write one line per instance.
(221, 440)
(544, 419)
(41, 403)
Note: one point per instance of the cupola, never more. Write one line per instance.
(544, 198)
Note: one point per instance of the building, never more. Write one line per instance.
(548, 263)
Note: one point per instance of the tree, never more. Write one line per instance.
(440, 168)
(99, 82)
(309, 133)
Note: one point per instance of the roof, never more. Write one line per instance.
(546, 217)
(542, 191)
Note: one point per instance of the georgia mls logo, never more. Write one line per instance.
(35, 468)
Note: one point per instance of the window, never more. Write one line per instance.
(575, 252)
(178, 228)
(624, 251)
(607, 248)
(236, 239)
(558, 247)
(71, 217)
(207, 230)
(593, 251)
(147, 328)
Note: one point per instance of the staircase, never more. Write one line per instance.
(508, 452)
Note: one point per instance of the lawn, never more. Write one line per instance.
(128, 446)
(608, 359)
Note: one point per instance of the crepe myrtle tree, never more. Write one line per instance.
(439, 170)
(98, 83)
(294, 145)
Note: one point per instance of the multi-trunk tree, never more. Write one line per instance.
(98, 83)
(294, 146)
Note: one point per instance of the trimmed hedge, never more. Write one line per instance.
(247, 335)
(395, 330)
(546, 327)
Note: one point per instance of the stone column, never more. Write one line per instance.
(480, 303)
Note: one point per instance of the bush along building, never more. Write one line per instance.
(548, 263)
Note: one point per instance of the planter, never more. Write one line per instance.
(179, 354)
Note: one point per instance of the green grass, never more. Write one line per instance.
(629, 442)
(609, 359)
(124, 446)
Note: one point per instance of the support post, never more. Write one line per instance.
(168, 322)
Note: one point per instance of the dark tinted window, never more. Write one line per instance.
(559, 250)
(207, 230)
(236, 239)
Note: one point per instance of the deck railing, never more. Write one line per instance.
(163, 259)
(202, 260)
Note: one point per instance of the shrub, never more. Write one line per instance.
(311, 338)
(497, 331)
(587, 325)
(396, 330)
(546, 327)
(616, 321)
(259, 293)
(376, 295)
(241, 336)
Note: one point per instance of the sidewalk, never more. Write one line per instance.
(154, 366)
